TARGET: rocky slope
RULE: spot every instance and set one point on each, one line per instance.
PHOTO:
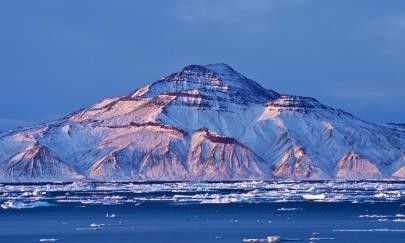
(204, 123)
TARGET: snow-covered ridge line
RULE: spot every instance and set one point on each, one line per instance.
(204, 122)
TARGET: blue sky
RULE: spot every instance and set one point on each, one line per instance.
(59, 56)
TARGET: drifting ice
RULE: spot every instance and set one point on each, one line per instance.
(314, 196)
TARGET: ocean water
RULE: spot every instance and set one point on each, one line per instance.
(316, 211)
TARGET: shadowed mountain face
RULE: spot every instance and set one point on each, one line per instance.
(204, 123)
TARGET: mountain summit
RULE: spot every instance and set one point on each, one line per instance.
(204, 122)
(215, 82)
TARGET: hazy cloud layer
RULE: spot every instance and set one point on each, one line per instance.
(6, 123)
(223, 12)
(368, 94)
(60, 56)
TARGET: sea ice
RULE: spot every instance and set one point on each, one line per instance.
(110, 215)
(89, 193)
(21, 205)
(320, 238)
(369, 230)
(313, 196)
(287, 209)
(273, 238)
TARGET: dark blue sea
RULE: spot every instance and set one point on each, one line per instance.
(250, 211)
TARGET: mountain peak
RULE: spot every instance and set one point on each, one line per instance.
(219, 66)
(214, 67)
(215, 81)
(220, 72)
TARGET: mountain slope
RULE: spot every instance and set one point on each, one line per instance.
(212, 156)
(206, 123)
(36, 163)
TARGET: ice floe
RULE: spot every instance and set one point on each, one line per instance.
(314, 196)
(135, 193)
(21, 204)
(271, 238)
(320, 238)
(369, 230)
(288, 209)
(268, 239)
(374, 216)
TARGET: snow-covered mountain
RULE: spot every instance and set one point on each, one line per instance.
(204, 123)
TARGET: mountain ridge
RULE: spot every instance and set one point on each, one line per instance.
(209, 122)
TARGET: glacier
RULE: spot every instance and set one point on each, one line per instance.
(208, 123)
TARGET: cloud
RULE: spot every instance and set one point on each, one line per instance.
(10, 123)
(228, 11)
(391, 27)
(388, 34)
(367, 94)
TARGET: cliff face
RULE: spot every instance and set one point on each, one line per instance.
(204, 123)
